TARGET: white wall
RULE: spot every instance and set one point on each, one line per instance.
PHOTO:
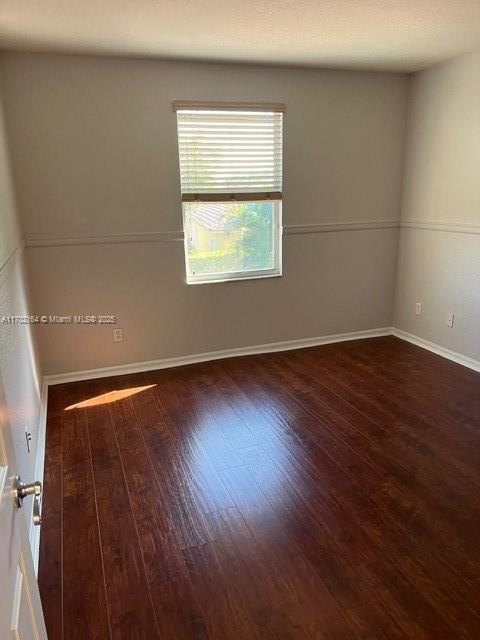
(439, 254)
(19, 373)
(95, 158)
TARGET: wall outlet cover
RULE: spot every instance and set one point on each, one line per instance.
(118, 335)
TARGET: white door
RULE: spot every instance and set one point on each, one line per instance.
(21, 616)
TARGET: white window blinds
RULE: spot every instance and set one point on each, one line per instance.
(230, 151)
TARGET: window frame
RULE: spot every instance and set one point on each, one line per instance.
(274, 197)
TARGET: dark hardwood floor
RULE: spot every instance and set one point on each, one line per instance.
(331, 492)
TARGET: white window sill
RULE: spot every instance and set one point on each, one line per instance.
(234, 277)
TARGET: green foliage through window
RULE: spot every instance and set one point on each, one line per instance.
(242, 234)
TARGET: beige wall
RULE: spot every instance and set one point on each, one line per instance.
(95, 154)
(19, 374)
(439, 254)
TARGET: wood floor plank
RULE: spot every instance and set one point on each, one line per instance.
(331, 512)
(84, 601)
(177, 609)
(50, 571)
(129, 602)
(328, 493)
(424, 439)
(170, 453)
(460, 604)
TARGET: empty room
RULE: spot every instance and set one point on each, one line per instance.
(240, 320)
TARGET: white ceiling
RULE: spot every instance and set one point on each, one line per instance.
(377, 34)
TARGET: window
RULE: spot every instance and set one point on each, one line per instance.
(231, 181)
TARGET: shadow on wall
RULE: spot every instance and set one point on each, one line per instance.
(19, 369)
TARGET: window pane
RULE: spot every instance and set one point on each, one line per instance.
(228, 237)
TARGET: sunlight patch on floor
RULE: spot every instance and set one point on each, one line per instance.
(110, 396)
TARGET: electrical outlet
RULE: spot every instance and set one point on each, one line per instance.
(118, 335)
(450, 319)
(418, 308)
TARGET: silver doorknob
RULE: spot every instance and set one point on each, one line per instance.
(23, 490)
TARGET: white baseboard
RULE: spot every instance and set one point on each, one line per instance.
(271, 347)
(436, 348)
(165, 363)
(34, 533)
